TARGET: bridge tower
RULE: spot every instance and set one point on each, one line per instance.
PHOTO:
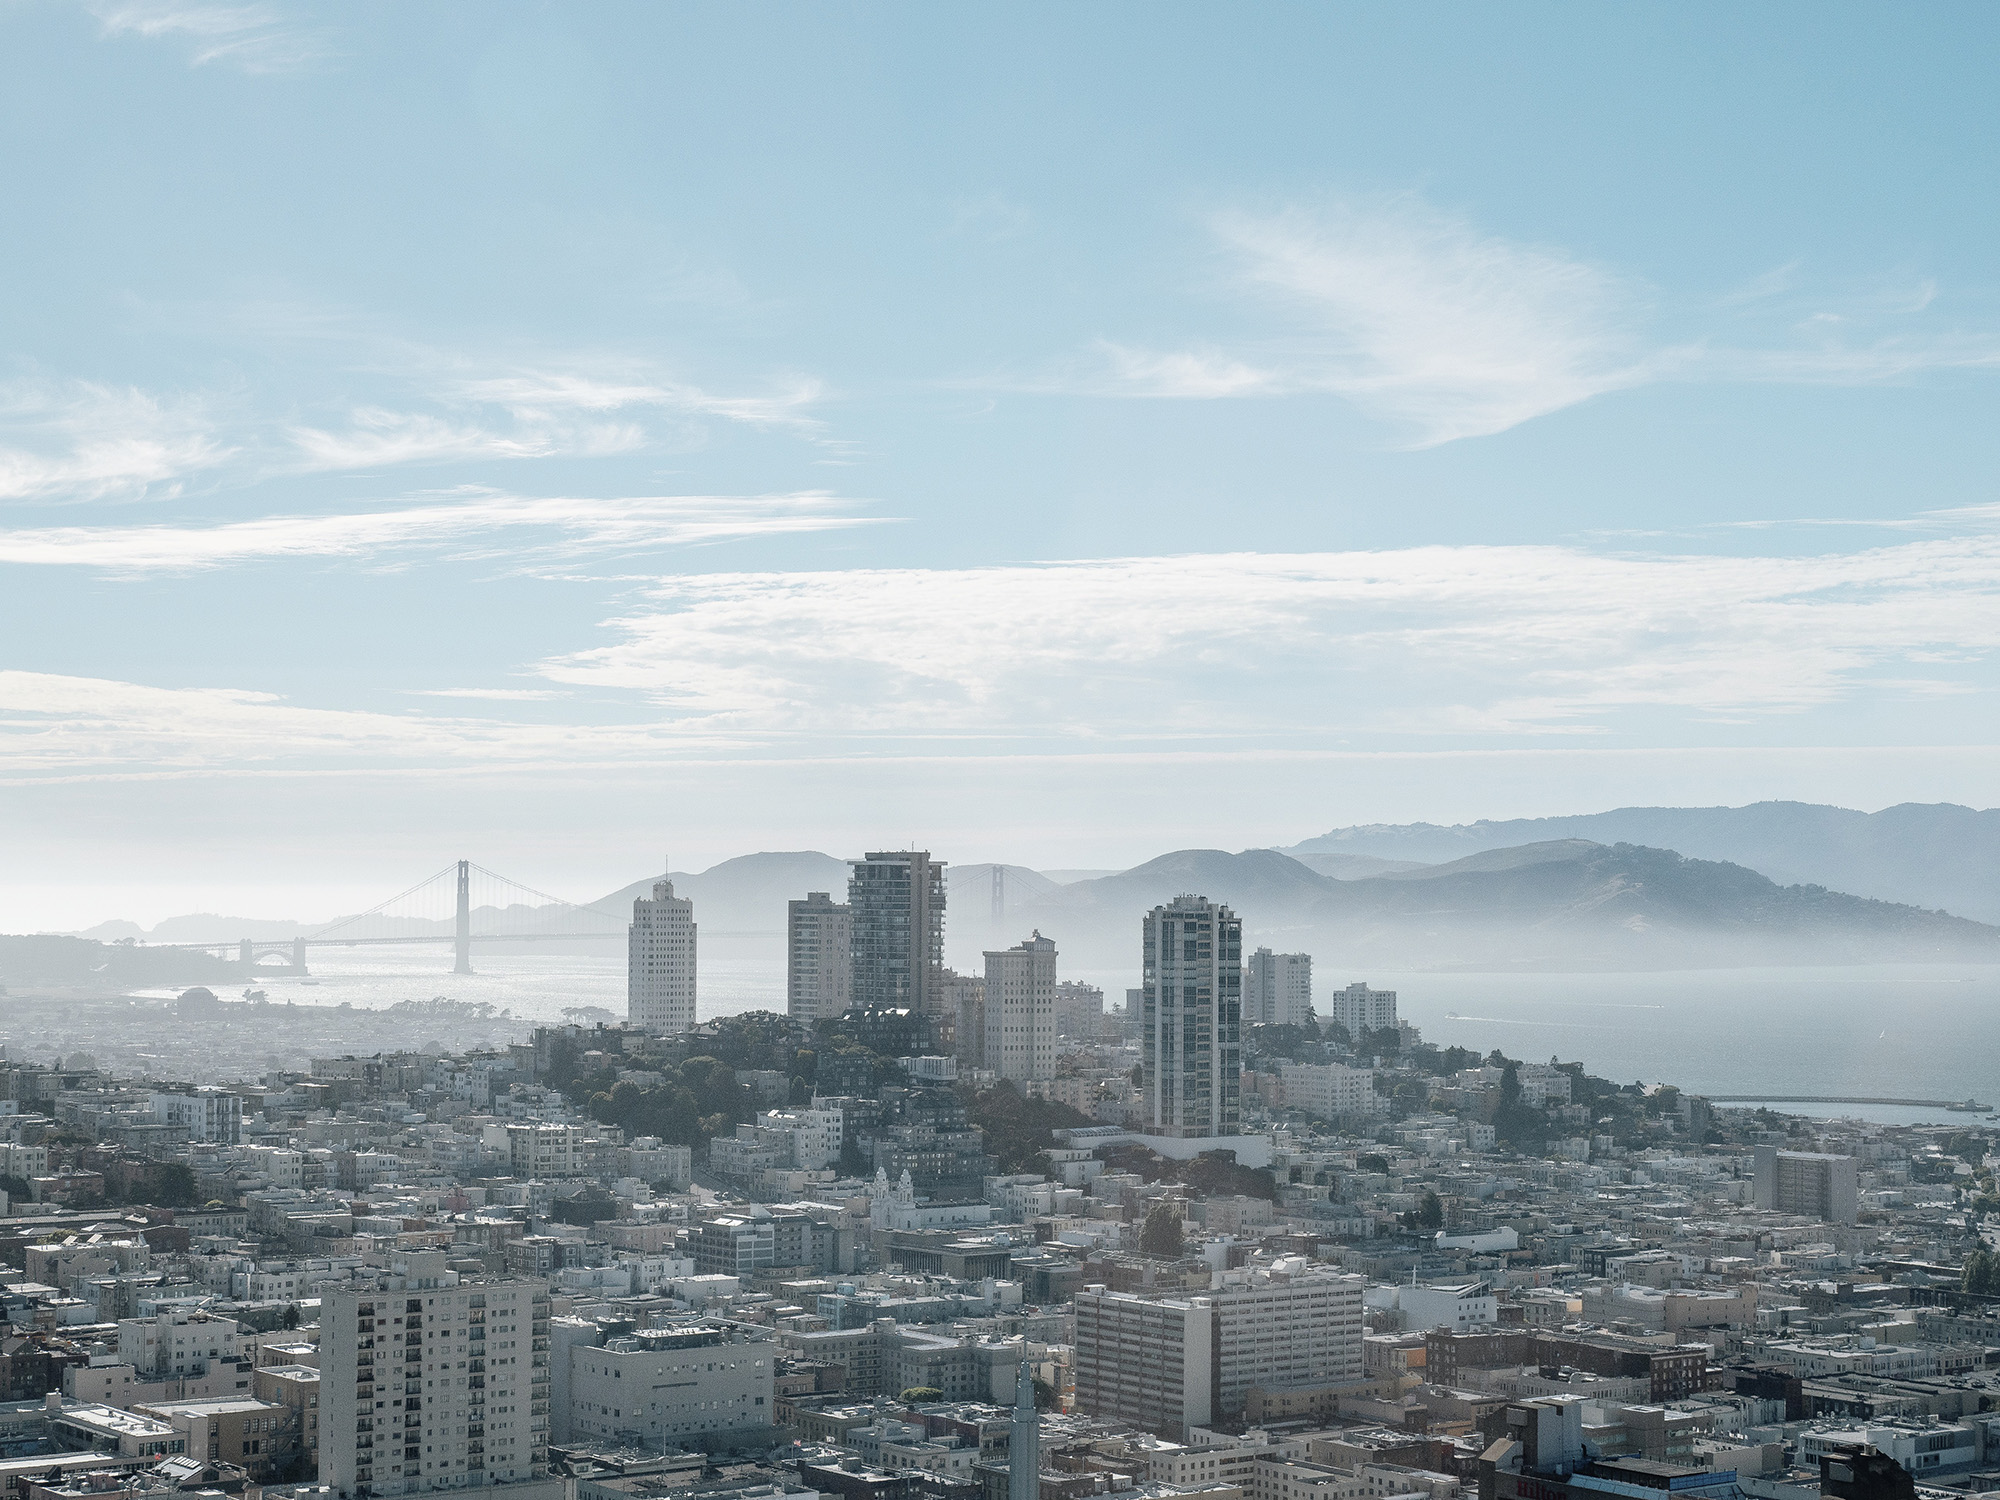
(464, 931)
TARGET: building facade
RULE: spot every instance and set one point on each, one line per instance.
(896, 901)
(399, 1417)
(1359, 1009)
(1079, 1009)
(659, 1388)
(660, 972)
(819, 957)
(1020, 1010)
(1806, 1182)
(1190, 1022)
(1278, 989)
(1170, 1364)
(205, 1114)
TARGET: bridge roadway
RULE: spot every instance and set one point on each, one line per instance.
(1825, 1099)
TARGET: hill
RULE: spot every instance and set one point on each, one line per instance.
(745, 894)
(1555, 904)
(1937, 855)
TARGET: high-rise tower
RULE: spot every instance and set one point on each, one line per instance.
(1024, 1441)
(660, 965)
(1020, 1010)
(819, 959)
(897, 901)
(1191, 1018)
(1277, 989)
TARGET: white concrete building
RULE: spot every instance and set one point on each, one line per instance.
(1277, 989)
(206, 1114)
(1329, 1090)
(660, 965)
(819, 957)
(176, 1343)
(1359, 1009)
(666, 1387)
(1170, 1364)
(1020, 1010)
(538, 1152)
(471, 1353)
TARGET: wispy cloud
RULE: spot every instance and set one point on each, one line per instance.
(1443, 647)
(1444, 332)
(254, 38)
(1455, 640)
(77, 440)
(479, 525)
(68, 441)
(544, 413)
(1410, 314)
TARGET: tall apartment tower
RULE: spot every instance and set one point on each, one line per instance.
(897, 901)
(1020, 1010)
(397, 1416)
(1805, 1182)
(1191, 1018)
(659, 972)
(964, 1004)
(819, 960)
(1277, 989)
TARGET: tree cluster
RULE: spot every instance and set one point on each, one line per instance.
(1982, 1274)
(1018, 1129)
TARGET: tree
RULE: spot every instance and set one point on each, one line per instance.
(1161, 1234)
(919, 1395)
(1427, 1217)
(1373, 1161)
(1982, 1274)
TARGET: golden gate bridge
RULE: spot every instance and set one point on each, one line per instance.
(462, 904)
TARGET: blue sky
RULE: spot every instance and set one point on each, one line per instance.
(551, 434)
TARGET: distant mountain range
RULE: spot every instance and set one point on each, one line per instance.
(1937, 855)
(1778, 882)
(1555, 904)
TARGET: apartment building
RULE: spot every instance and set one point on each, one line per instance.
(1810, 1183)
(1170, 1364)
(660, 962)
(428, 1382)
(212, 1115)
(1359, 1009)
(819, 957)
(897, 899)
(1191, 1016)
(1020, 1010)
(1277, 989)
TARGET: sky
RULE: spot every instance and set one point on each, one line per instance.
(569, 437)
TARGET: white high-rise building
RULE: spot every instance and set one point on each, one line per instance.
(1020, 1010)
(1359, 1009)
(1190, 1027)
(819, 961)
(1277, 989)
(431, 1383)
(659, 976)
